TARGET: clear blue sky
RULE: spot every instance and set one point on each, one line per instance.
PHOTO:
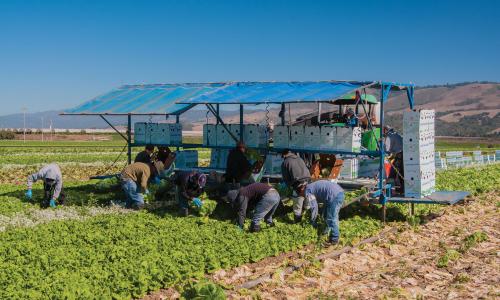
(57, 54)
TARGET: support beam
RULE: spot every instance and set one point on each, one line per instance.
(218, 111)
(283, 114)
(114, 128)
(319, 113)
(129, 139)
(241, 122)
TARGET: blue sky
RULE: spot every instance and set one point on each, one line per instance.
(57, 54)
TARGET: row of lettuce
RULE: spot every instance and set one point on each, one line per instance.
(127, 255)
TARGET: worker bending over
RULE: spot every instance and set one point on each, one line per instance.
(52, 185)
(238, 168)
(189, 186)
(294, 173)
(393, 144)
(145, 155)
(134, 181)
(264, 197)
(332, 197)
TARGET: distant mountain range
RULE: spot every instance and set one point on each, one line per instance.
(464, 109)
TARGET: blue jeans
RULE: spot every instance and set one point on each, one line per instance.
(266, 207)
(135, 199)
(331, 213)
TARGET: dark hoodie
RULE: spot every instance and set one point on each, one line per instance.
(294, 170)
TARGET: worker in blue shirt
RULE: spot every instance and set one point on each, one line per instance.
(332, 197)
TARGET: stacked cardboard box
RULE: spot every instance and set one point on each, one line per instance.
(349, 169)
(418, 152)
(158, 133)
(186, 159)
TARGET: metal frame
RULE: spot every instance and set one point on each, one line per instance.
(382, 192)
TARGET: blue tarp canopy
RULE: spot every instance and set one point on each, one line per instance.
(174, 99)
(277, 92)
(145, 99)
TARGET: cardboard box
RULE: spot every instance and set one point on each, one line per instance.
(255, 135)
(186, 159)
(328, 138)
(141, 134)
(281, 137)
(222, 136)
(312, 137)
(209, 135)
(272, 164)
(296, 137)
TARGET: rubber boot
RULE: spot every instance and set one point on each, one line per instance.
(297, 219)
(254, 227)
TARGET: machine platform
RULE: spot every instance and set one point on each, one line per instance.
(441, 197)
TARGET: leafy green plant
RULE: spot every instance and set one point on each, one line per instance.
(472, 240)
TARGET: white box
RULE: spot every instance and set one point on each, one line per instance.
(152, 132)
(235, 130)
(328, 138)
(175, 134)
(281, 136)
(272, 164)
(296, 137)
(349, 169)
(209, 135)
(141, 134)
(348, 139)
(255, 135)
(218, 158)
(312, 137)
(186, 159)
(222, 135)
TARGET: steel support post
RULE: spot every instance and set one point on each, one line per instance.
(241, 122)
(319, 113)
(129, 139)
(283, 111)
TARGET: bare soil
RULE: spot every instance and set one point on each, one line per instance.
(405, 264)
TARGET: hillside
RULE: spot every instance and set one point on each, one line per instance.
(465, 109)
(471, 109)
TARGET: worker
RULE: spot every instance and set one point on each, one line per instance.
(351, 120)
(393, 144)
(332, 197)
(265, 198)
(134, 181)
(294, 173)
(145, 155)
(238, 168)
(52, 185)
(189, 186)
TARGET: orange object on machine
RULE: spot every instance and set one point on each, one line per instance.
(387, 166)
(326, 161)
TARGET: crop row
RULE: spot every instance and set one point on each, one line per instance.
(125, 256)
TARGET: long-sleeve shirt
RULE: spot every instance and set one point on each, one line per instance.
(393, 142)
(320, 191)
(138, 172)
(238, 166)
(50, 171)
(188, 188)
(251, 193)
(294, 170)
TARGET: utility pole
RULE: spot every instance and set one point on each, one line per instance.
(24, 123)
